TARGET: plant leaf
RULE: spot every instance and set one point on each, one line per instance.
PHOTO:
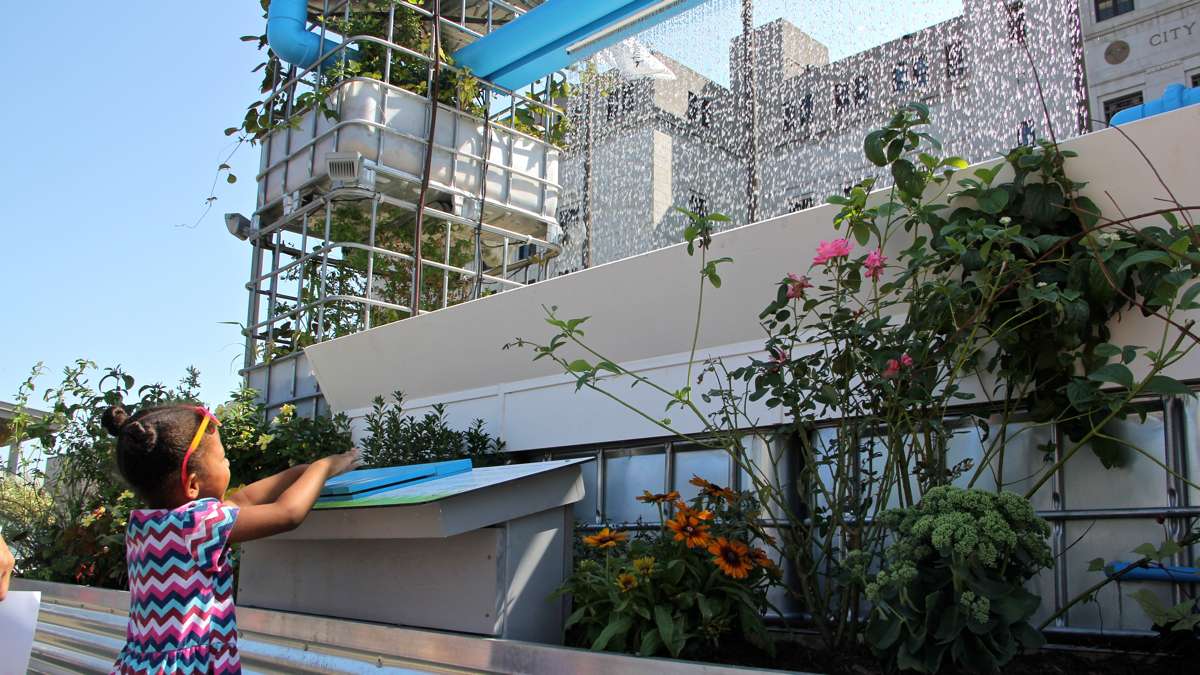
(1161, 384)
(1115, 373)
(615, 627)
(907, 179)
(666, 629)
(1144, 257)
(873, 147)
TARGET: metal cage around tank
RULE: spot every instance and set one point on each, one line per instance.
(377, 202)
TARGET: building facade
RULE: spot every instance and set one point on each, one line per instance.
(642, 147)
(1134, 49)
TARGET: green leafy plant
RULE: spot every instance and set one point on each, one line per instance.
(81, 537)
(26, 507)
(951, 591)
(396, 438)
(1181, 617)
(684, 589)
(257, 447)
(368, 59)
(1003, 279)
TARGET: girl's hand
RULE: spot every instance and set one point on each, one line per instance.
(290, 509)
(346, 461)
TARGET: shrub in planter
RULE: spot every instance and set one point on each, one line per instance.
(396, 438)
(952, 588)
(697, 580)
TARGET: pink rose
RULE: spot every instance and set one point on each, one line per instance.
(906, 360)
(874, 264)
(829, 250)
(780, 357)
(796, 286)
(892, 369)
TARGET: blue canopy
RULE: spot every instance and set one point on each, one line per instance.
(535, 44)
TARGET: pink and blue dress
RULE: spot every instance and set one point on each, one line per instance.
(181, 612)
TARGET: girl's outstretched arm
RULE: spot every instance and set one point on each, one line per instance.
(268, 489)
(288, 511)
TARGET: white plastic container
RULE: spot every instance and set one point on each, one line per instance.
(389, 126)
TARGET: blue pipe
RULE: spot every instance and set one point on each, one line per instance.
(535, 44)
(1174, 96)
(288, 35)
(531, 31)
(1157, 573)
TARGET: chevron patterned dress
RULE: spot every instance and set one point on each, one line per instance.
(181, 614)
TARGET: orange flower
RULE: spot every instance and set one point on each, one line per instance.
(661, 498)
(689, 529)
(605, 538)
(732, 556)
(626, 582)
(713, 490)
(761, 558)
(681, 508)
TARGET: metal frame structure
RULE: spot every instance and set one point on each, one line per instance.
(295, 235)
(1181, 440)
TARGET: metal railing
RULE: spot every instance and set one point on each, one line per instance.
(81, 630)
(1177, 511)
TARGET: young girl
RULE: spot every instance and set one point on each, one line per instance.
(181, 585)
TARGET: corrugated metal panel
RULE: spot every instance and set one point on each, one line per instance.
(81, 629)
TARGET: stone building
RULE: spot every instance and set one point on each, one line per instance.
(1135, 48)
(641, 147)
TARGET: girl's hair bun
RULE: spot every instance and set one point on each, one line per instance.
(143, 436)
(114, 419)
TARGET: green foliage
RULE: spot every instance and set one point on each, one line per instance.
(664, 592)
(81, 537)
(952, 590)
(368, 59)
(397, 439)
(25, 508)
(1007, 275)
(1182, 617)
(258, 448)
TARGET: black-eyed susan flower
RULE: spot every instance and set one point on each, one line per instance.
(626, 582)
(689, 529)
(732, 557)
(605, 538)
(644, 565)
(712, 489)
(659, 498)
(761, 558)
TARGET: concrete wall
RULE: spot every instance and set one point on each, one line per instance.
(643, 308)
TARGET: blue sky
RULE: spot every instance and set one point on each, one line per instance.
(115, 115)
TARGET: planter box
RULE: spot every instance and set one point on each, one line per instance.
(479, 552)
